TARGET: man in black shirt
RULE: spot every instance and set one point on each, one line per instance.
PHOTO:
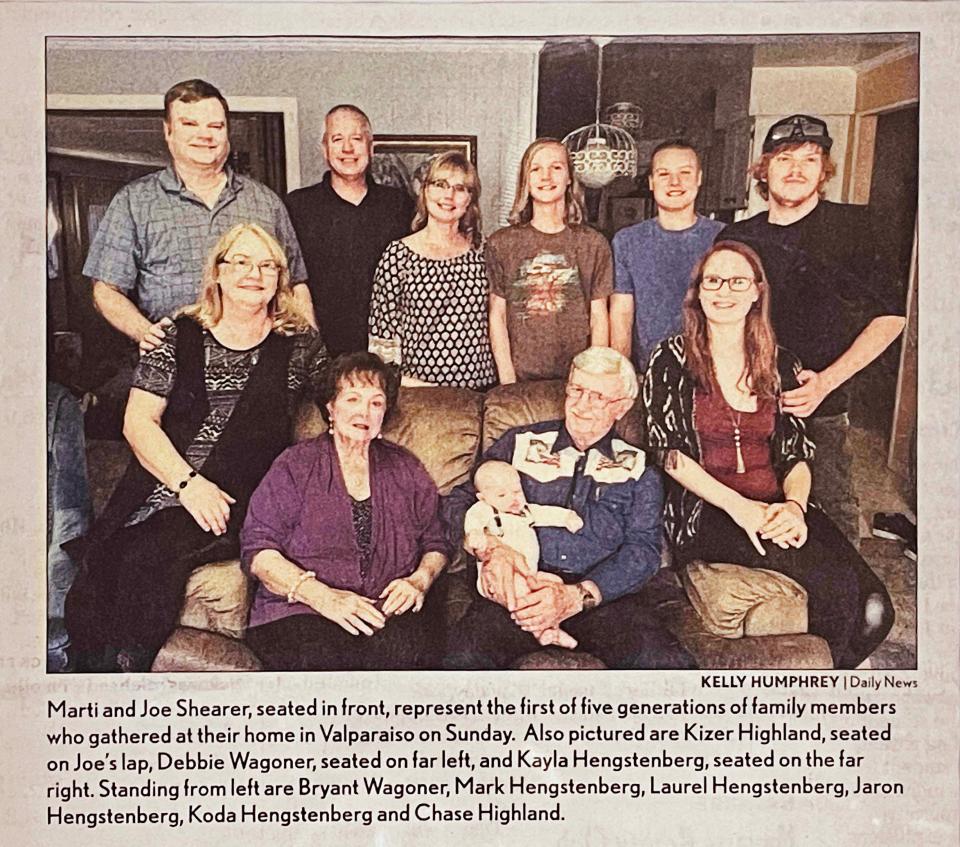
(343, 224)
(832, 303)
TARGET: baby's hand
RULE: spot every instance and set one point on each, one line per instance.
(556, 637)
(574, 522)
(476, 540)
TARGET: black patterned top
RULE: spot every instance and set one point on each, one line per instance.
(436, 309)
(669, 423)
(363, 529)
(225, 375)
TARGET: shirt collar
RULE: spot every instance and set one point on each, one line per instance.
(170, 180)
(327, 183)
(604, 445)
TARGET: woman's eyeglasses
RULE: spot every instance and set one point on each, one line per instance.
(443, 185)
(734, 283)
(244, 265)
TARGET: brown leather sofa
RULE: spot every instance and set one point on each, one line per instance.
(447, 429)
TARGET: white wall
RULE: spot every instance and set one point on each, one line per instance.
(487, 89)
(828, 93)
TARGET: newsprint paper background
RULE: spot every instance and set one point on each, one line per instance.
(921, 753)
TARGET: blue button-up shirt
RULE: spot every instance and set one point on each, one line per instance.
(155, 235)
(621, 506)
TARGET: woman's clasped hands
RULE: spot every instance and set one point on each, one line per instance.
(784, 524)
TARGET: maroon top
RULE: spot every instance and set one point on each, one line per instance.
(714, 421)
(303, 510)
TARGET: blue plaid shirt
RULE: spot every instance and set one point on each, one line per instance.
(155, 235)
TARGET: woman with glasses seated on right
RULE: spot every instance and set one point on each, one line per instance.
(739, 467)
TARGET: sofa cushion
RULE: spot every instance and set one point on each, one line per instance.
(520, 404)
(733, 601)
(558, 659)
(217, 598)
(440, 426)
(799, 652)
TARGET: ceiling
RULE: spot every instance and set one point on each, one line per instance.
(819, 50)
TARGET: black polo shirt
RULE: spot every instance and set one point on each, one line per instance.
(341, 245)
(827, 282)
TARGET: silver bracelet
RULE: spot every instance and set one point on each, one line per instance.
(292, 593)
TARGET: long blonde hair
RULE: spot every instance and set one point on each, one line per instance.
(760, 374)
(287, 317)
(573, 206)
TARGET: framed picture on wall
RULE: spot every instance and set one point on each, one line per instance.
(401, 160)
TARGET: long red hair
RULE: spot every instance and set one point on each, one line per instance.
(760, 373)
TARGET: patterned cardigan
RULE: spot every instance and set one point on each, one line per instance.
(669, 424)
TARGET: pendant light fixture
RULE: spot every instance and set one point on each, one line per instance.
(601, 152)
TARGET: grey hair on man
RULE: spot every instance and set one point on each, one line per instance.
(605, 360)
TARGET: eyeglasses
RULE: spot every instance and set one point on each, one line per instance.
(798, 128)
(245, 266)
(443, 185)
(593, 398)
(734, 283)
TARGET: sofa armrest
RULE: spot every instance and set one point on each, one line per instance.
(195, 650)
(217, 598)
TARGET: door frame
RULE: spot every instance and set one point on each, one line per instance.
(285, 106)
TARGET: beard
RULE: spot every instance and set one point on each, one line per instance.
(795, 200)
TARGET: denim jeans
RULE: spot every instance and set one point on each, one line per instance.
(68, 510)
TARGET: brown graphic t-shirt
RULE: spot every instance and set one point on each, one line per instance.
(548, 281)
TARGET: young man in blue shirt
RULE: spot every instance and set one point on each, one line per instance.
(654, 258)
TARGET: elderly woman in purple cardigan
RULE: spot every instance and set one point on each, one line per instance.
(344, 537)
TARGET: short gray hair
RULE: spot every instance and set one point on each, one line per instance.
(356, 111)
(605, 360)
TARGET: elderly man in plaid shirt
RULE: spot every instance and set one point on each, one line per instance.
(146, 259)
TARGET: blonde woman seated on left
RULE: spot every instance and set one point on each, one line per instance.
(209, 411)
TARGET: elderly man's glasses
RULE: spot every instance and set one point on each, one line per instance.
(442, 185)
(711, 282)
(243, 265)
(576, 393)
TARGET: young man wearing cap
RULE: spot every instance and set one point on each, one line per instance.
(654, 258)
(832, 302)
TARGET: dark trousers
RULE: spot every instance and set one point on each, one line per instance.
(626, 633)
(128, 593)
(833, 485)
(309, 642)
(847, 605)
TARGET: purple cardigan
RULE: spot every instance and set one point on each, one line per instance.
(302, 509)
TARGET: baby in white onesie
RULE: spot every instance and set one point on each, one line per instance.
(503, 510)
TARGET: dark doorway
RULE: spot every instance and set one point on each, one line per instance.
(893, 188)
(893, 207)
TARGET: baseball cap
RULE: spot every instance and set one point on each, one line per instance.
(798, 129)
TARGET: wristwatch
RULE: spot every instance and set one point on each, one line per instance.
(587, 598)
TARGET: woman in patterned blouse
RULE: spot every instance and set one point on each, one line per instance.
(739, 466)
(209, 410)
(428, 312)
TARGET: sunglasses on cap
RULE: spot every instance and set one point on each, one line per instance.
(798, 129)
